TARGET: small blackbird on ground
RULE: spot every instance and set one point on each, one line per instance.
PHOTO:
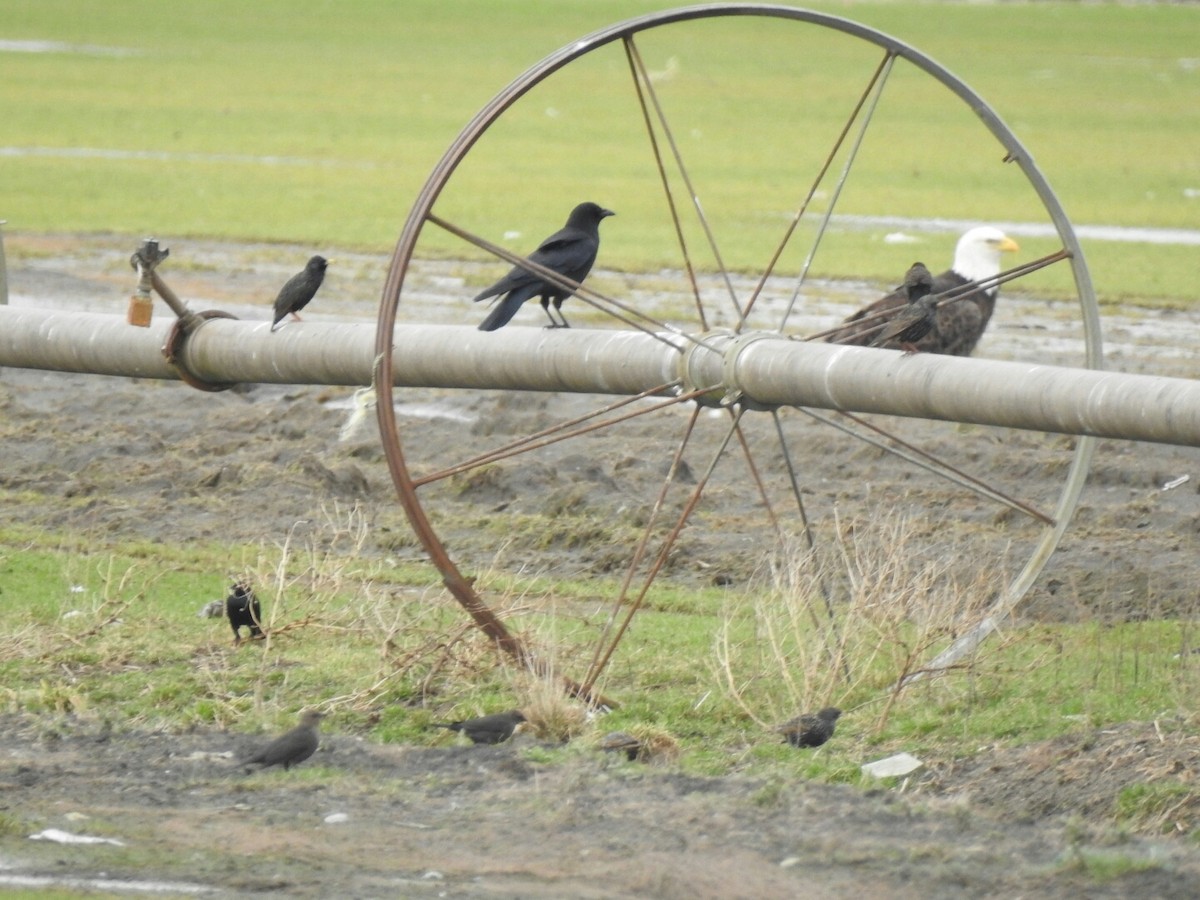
(915, 320)
(244, 611)
(570, 252)
(294, 747)
(622, 742)
(810, 730)
(494, 729)
(299, 290)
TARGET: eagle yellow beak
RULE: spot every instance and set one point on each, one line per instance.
(1008, 245)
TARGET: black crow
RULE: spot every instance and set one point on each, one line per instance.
(810, 730)
(570, 252)
(915, 320)
(299, 290)
(958, 325)
(494, 729)
(294, 747)
(244, 610)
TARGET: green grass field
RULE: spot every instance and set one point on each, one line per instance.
(112, 634)
(319, 123)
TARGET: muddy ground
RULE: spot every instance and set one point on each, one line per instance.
(118, 457)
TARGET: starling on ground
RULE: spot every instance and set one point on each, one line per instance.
(299, 290)
(621, 742)
(570, 252)
(915, 320)
(294, 747)
(962, 317)
(810, 730)
(244, 610)
(494, 729)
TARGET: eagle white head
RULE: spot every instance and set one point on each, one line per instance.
(977, 255)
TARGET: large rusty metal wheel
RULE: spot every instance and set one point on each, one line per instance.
(670, 96)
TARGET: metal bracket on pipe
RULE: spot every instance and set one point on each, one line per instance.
(696, 356)
(697, 368)
(729, 365)
(172, 349)
(145, 260)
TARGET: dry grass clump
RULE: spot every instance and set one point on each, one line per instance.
(641, 743)
(550, 713)
(869, 616)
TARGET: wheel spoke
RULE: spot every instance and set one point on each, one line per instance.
(927, 461)
(559, 432)
(868, 99)
(639, 552)
(604, 654)
(645, 89)
(641, 77)
(826, 596)
(758, 482)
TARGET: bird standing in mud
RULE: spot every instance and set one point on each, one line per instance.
(915, 320)
(293, 747)
(962, 317)
(494, 729)
(299, 290)
(809, 730)
(570, 252)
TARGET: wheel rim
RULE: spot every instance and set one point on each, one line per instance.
(740, 306)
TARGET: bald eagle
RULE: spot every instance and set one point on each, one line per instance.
(959, 325)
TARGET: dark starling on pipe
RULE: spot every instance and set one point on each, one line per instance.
(299, 290)
(959, 324)
(915, 320)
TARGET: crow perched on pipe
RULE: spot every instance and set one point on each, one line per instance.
(299, 290)
(570, 252)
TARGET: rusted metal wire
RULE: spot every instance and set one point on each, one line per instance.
(645, 89)
(565, 430)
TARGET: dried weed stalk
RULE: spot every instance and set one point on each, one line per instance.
(896, 598)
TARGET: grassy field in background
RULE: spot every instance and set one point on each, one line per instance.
(318, 123)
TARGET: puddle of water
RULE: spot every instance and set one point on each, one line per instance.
(113, 885)
(1117, 233)
(63, 47)
(426, 411)
(164, 156)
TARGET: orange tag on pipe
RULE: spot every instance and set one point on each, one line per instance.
(141, 310)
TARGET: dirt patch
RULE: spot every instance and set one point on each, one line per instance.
(130, 458)
(1084, 775)
(366, 820)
